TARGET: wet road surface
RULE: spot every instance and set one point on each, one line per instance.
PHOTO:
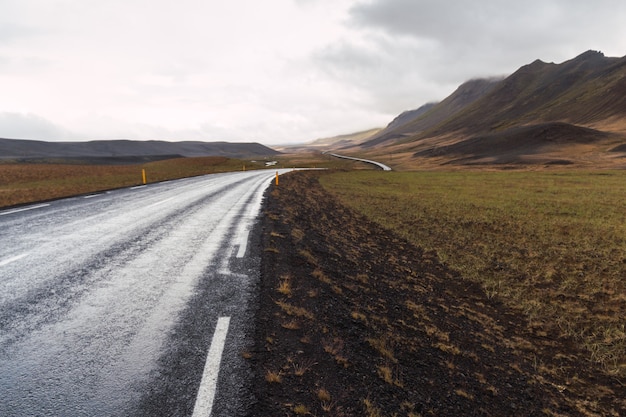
(109, 303)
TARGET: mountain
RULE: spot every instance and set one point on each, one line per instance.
(589, 88)
(408, 116)
(431, 114)
(127, 150)
(544, 113)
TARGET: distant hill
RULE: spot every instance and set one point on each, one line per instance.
(544, 113)
(333, 143)
(127, 150)
(429, 115)
(342, 140)
(406, 117)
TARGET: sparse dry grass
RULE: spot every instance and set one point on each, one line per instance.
(29, 182)
(383, 348)
(292, 325)
(323, 395)
(335, 347)
(550, 244)
(308, 256)
(295, 311)
(284, 287)
(273, 377)
(319, 274)
(464, 394)
(302, 367)
(386, 373)
(371, 409)
(405, 333)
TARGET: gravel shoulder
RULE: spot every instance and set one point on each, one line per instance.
(355, 321)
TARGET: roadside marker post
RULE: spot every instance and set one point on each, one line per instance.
(143, 176)
(276, 177)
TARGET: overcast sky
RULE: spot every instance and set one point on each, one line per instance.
(271, 71)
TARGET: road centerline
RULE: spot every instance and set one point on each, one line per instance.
(159, 202)
(13, 259)
(208, 385)
(4, 213)
(243, 244)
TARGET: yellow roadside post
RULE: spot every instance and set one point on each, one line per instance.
(143, 176)
(276, 177)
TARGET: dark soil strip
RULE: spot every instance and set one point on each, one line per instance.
(354, 321)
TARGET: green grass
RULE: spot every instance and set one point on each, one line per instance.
(551, 245)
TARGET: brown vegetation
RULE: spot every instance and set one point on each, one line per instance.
(391, 331)
(22, 183)
(548, 244)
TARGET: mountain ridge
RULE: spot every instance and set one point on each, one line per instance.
(123, 148)
(581, 101)
(464, 95)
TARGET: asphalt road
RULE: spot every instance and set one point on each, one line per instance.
(368, 161)
(109, 303)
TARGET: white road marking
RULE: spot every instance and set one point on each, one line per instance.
(13, 259)
(137, 187)
(243, 244)
(160, 202)
(92, 196)
(4, 213)
(206, 392)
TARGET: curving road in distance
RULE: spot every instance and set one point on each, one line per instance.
(367, 161)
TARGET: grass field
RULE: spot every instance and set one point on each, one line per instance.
(23, 182)
(550, 245)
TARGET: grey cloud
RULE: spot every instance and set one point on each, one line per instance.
(495, 24)
(434, 19)
(344, 59)
(390, 72)
(414, 51)
(459, 19)
(30, 126)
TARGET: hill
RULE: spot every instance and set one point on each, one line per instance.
(588, 89)
(432, 114)
(544, 113)
(127, 150)
(507, 146)
(334, 142)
